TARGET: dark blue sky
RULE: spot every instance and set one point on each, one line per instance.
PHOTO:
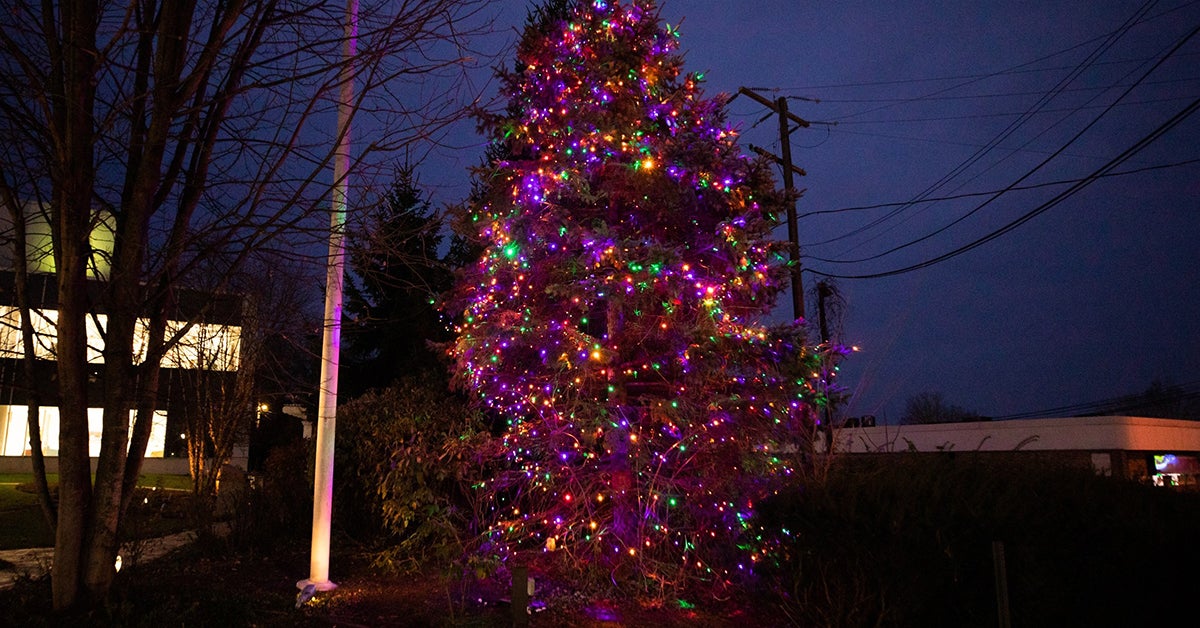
(1092, 298)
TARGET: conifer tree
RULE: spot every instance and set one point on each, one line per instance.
(616, 316)
(390, 295)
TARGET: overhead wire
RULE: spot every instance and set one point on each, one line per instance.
(1022, 68)
(1117, 405)
(1175, 48)
(1036, 211)
(1092, 56)
(1033, 186)
(959, 77)
(991, 95)
(1006, 114)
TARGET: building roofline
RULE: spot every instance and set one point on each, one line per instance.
(1091, 433)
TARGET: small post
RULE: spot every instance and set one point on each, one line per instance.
(520, 596)
(1001, 574)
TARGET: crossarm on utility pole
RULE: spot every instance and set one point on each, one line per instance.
(766, 102)
(777, 159)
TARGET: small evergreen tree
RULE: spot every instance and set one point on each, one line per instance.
(615, 317)
(390, 299)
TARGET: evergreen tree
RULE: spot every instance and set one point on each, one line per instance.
(615, 316)
(390, 298)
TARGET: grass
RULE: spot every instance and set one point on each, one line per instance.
(24, 525)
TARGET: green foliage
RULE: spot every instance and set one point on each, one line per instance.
(906, 540)
(408, 458)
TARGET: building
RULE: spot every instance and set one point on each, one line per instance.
(211, 347)
(1162, 451)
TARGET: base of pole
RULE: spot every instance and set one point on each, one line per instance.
(317, 586)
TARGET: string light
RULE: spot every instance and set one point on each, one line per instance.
(615, 315)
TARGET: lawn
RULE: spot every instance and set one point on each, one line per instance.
(24, 525)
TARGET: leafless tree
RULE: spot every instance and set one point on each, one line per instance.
(194, 129)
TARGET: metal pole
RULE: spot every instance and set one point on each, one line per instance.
(331, 343)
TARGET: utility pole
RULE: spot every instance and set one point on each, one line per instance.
(318, 579)
(785, 119)
(824, 291)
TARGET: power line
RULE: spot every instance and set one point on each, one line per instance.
(996, 95)
(1022, 68)
(1033, 170)
(960, 77)
(1183, 392)
(1093, 56)
(1004, 114)
(1033, 186)
(1082, 183)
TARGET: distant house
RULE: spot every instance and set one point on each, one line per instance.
(1161, 451)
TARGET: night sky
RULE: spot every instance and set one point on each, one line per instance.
(1087, 298)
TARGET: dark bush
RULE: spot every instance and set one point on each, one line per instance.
(907, 540)
(275, 506)
(408, 458)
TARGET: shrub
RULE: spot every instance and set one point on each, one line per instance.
(408, 457)
(906, 540)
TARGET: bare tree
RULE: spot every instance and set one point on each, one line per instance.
(193, 129)
(932, 407)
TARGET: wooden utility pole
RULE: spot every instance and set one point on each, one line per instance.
(785, 119)
(824, 291)
(789, 187)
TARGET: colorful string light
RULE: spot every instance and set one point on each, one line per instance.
(615, 317)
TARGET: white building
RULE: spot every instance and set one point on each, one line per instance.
(1165, 451)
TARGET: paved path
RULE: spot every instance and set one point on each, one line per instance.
(35, 562)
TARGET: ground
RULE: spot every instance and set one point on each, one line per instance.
(248, 578)
(195, 587)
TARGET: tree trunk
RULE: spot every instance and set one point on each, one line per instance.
(74, 99)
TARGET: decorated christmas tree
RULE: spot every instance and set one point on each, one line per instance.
(616, 317)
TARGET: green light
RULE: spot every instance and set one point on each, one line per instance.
(511, 250)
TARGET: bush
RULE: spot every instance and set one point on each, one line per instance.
(408, 457)
(275, 506)
(906, 540)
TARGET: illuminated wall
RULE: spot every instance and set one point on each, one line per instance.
(14, 431)
(205, 346)
(201, 346)
(39, 249)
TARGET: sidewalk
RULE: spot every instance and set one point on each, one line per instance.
(35, 562)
